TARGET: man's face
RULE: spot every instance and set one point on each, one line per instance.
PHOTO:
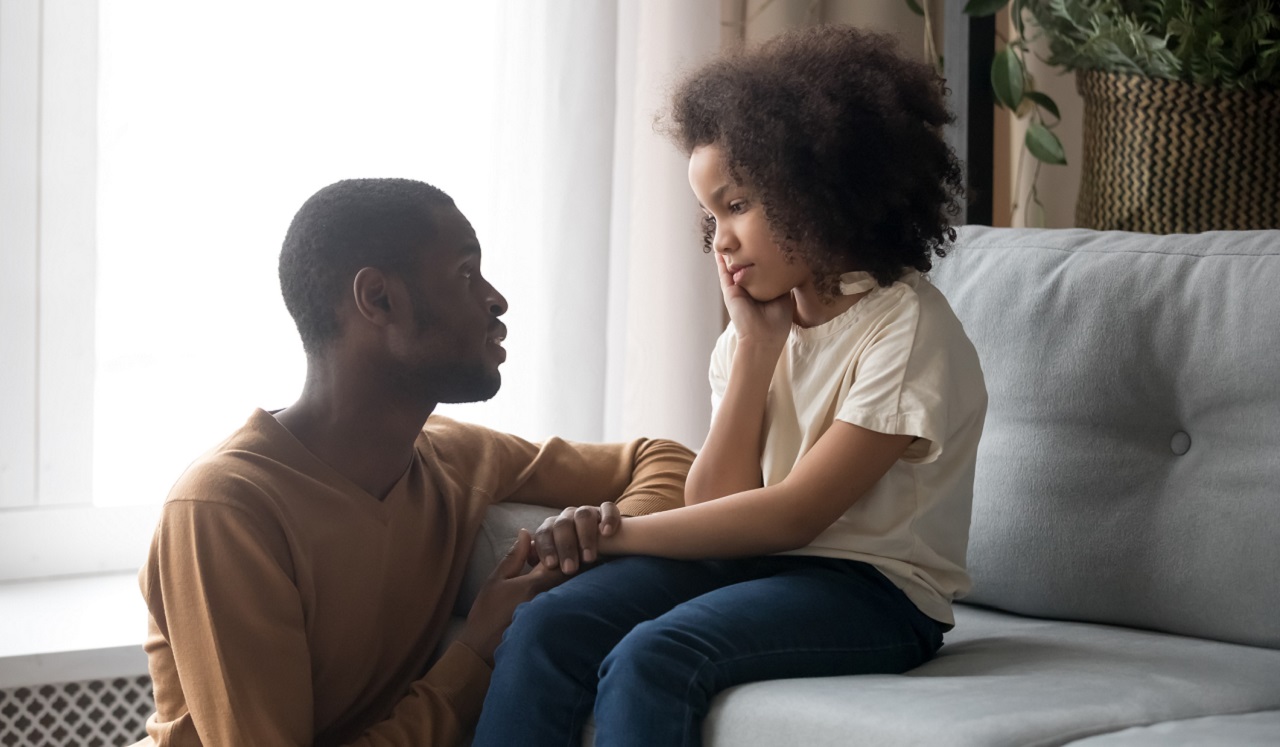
(456, 346)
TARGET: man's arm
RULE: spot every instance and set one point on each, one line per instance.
(643, 476)
(238, 667)
(596, 484)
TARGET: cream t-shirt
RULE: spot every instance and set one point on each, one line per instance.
(897, 362)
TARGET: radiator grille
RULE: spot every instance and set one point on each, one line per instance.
(95, 713)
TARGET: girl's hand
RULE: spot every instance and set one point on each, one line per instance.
(767, 323)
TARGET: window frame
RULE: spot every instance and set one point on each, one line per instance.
(48, 221)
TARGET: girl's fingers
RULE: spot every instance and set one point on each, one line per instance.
(726, 280)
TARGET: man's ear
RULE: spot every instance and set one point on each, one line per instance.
(376, 295)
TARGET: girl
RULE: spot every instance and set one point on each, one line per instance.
(827, 514)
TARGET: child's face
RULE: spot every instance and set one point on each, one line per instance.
(742, 232)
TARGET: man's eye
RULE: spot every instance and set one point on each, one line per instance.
(467, 272)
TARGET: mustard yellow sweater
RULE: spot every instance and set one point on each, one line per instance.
(289, 607)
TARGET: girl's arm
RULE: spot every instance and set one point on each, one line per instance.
(729, 461)
(840, 468)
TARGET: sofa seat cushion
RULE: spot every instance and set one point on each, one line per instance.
(1238, 730)
(1006, 680)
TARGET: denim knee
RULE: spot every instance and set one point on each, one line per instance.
(655, 655)
(541, 624)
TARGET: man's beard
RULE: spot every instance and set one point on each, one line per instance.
(476, 385)
(457, 383)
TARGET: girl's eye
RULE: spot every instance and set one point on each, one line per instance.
(708, 219)
(738, 206)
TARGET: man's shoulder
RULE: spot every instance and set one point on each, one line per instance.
(239, 471)
(474, 455)
(458, 444)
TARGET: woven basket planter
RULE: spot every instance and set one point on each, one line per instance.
(1164, 156)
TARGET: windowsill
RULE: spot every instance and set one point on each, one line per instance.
(71, 629)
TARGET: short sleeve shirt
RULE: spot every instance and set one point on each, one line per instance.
(897, 362)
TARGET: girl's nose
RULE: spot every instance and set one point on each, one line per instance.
(725, 242)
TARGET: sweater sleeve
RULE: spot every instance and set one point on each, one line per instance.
(643, 476)
(229, 644)
(440, 707)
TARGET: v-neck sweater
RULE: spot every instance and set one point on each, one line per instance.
(290, 607)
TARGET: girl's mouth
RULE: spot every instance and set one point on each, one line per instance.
(738, 273)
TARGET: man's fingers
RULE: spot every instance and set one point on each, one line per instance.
(610, 518)
(542, 578)
(513, 564)
(565, 532)
(545, 543)
(586, 521)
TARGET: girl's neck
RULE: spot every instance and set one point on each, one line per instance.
(812, 310)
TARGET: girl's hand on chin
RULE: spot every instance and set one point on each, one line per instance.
(767, 322)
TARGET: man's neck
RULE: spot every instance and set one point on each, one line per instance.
(356, 429)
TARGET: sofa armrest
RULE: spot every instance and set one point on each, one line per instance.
(494, 539)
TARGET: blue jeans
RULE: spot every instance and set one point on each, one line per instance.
(648, 642)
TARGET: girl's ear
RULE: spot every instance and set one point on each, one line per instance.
(375, 296)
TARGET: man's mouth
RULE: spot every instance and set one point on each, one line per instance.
(494, 340)
(498, 333)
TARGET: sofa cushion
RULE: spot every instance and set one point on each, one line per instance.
(497, 533)
(1238, 730)
(1006, 680)
(1129, 472)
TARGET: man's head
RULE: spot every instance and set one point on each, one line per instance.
(394, 263)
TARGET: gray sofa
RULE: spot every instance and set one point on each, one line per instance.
(1125, 543)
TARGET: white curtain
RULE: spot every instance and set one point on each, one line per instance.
(614, 307)
(534, 114)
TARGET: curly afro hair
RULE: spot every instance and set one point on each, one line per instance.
(842, 140)
(348, 225)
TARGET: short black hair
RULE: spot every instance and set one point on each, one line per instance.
(842, 138)
(348, 225)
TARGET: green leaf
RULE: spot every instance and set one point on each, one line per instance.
(982, 8)
(1007, 79)
(915, 7)
(1045, 145)
(1044, 102)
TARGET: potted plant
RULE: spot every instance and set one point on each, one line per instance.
(1181, 106)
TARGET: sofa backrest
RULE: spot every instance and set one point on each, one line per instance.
(1129, 472)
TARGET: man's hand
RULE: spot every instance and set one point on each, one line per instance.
(571, 540)
(506, 588)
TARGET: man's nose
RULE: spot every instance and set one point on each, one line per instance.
(497, 303)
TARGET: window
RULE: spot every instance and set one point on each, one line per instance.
(216, 122)
(153, 154)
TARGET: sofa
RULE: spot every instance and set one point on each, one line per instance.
(1125, 536)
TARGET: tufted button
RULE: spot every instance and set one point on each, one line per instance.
(1181, 443)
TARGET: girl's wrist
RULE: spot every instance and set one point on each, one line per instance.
(756, 352)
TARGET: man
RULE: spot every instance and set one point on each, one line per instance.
(303, 571)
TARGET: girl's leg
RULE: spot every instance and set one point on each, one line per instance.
(801, 617)
(544, 679)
